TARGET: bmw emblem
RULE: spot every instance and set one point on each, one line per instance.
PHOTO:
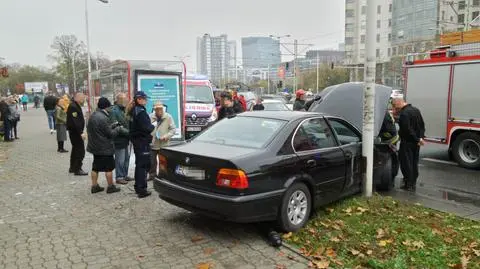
(187, 160)
(194, 117)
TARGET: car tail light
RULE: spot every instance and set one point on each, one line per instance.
(163, 162)
(232, 178)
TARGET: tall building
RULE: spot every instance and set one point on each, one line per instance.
(355, 30)
(259, 52)
(213, 57)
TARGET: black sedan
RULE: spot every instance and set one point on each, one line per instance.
(293, 162)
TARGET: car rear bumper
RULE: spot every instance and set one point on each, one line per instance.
(242, 209)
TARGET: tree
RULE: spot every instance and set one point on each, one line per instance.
(327, 77)
(67, 51)
(19, 74)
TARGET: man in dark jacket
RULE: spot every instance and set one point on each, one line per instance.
(100, 144)
(229, 106)
(75, 127)
(49, 104)
(121, 142)
(141, 129)
(412, 133)
(5, 115)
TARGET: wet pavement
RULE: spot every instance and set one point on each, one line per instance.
(443, 185)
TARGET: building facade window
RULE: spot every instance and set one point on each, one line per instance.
(461, 5)
(389, 52)
(362, 39)
(364, 10)
(461, 18)
(378, 38)
(389, 22)
(394, 51)
(476, 3)
(389, 37)
(379, 9)
(379, 23)
(378, 53)
(390, 8)
(349, 13)
(475, 14)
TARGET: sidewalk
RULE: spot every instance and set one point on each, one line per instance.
(49, 219)
(443, 201)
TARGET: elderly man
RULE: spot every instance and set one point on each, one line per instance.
(121, 142)
(412, 133)
(163, 132)
(75, 127)
(100, 144)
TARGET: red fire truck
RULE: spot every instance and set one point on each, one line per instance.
(445, 85)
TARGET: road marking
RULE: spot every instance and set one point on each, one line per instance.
(440, 161)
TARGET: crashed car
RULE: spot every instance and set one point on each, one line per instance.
(346, 101)
(268, 166)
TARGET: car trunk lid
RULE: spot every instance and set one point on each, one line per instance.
(187, 168)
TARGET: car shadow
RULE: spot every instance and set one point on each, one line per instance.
(220, 230)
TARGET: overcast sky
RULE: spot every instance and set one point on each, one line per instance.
(159, 30)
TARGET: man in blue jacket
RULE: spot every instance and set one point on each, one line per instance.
(141, 130)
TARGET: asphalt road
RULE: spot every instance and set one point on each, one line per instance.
(444, 179)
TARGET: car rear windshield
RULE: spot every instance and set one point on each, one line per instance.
(276, 106)
(251, 132)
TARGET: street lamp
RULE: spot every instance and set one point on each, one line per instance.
(88, 46)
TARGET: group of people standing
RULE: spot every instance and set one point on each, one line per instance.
(111, 129)
(10, 116)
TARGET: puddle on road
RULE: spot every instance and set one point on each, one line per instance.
(451, 195)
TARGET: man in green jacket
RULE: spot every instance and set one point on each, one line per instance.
(121, 142)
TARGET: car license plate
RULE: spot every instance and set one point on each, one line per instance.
(194, 129)
(190, 172)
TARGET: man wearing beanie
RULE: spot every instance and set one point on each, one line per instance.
(100, 143)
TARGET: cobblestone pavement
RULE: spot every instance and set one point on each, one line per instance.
(49, 219)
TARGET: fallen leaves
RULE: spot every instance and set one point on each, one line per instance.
(418, 244)
(330, 253)
(204, 265)
(197, 238)
(384, 243)
(354, 252)
(361, 209)
(287, 236)
(321, 264)
(335, 239)
(411, 217)
(208, 251)
(380, 233)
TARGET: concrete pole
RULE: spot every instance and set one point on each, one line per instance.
(295, 53)
(467, 15)
(318, 70)
(74, 74)
(89, 61)
(369, 97)
(268, 79)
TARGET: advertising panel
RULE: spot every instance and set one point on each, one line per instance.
(36, 87)
(165, 88)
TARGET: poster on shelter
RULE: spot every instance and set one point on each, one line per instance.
(166, 89)
(36, 87)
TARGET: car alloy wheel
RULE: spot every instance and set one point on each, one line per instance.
(295, 208)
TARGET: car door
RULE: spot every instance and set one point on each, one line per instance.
(349, 140)
(320, 157)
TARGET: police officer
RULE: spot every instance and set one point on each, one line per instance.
(75, 127)
(140, 134)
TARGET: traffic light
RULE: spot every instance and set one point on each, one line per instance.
(280, 84)
(287, 65)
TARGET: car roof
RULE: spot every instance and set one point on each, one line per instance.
(281, 115)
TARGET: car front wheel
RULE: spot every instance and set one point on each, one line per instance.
(295, 208)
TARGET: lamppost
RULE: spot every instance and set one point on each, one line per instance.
(88, 46)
